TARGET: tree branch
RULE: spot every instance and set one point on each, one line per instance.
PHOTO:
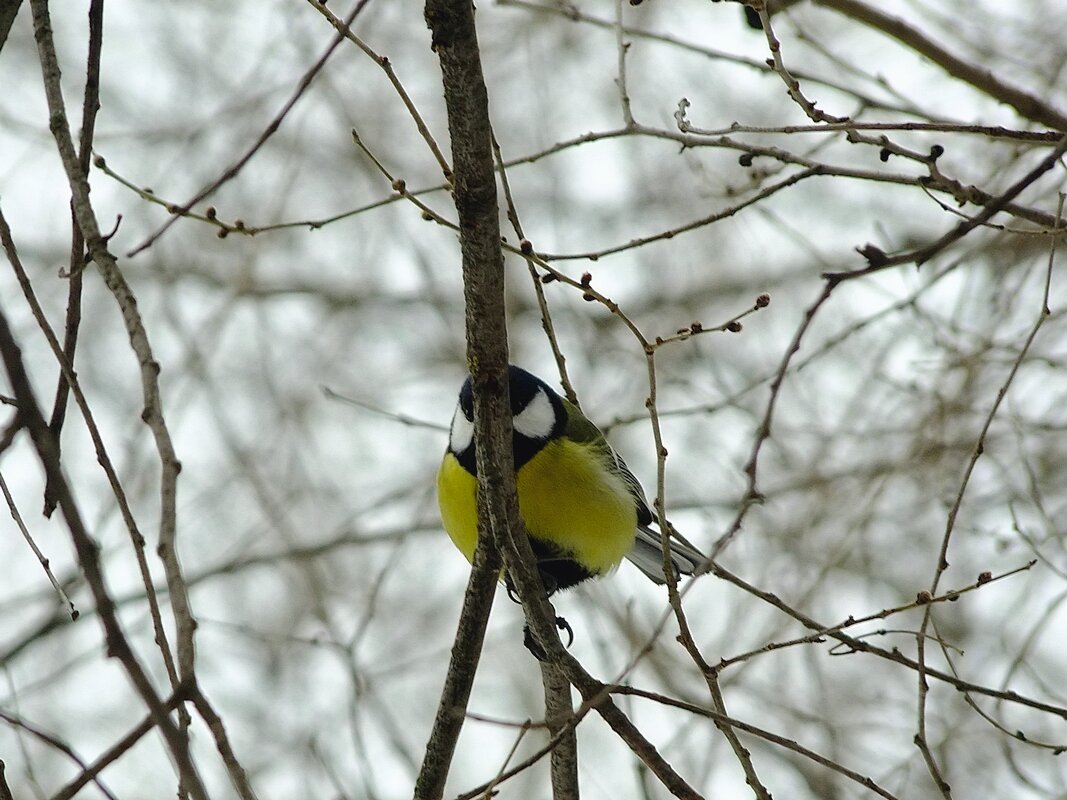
(983, 80)
(88, 551)
(454, 39)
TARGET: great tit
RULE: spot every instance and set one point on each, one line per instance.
(583, 508)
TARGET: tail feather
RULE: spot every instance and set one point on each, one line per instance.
(647, 555)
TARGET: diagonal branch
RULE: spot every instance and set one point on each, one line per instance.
(878, 261)
(1028, 105)
(135, 329)
(90, 106)
(88, 550)
(272, 127)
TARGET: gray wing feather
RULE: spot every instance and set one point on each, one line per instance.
(647, 552)
(647, 555)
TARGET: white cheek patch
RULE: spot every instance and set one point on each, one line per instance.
(537, 420)
(462, 432)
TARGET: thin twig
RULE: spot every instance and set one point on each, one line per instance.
(238, 776)
(152, 415)
(878, 261)
(621, 48)
(574, 14)
(403, 419)
(116, 751)
(763, 432)
(858, 645)
(526, 247)
(118, 645)
(1057, 748)
(702, 222)
(56, 744)
(950, 596)
(536, 757)
(272, 127)
(960, 192)
(984, 131)
(776, 62)
(490, 788)
(345, 29)
(724, 720)
(979, 76)
(950, 524)
(90, 106)
(41, 558)
(72, 383)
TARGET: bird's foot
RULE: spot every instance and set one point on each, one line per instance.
(535, 648)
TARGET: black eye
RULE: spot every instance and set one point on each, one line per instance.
(521, 395)
(466, 401)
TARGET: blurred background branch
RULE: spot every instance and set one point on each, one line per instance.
(669, 164)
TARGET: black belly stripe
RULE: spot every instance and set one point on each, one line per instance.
(558, 568)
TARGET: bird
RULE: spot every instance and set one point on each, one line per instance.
(582, 506)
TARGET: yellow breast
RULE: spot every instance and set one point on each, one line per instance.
(456, 497)
(566, 497)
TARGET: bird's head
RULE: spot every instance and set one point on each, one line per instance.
(537, 416)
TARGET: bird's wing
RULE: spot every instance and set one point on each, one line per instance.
(648, 545)
(647, 553)
(580, 429)
(644, 513)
